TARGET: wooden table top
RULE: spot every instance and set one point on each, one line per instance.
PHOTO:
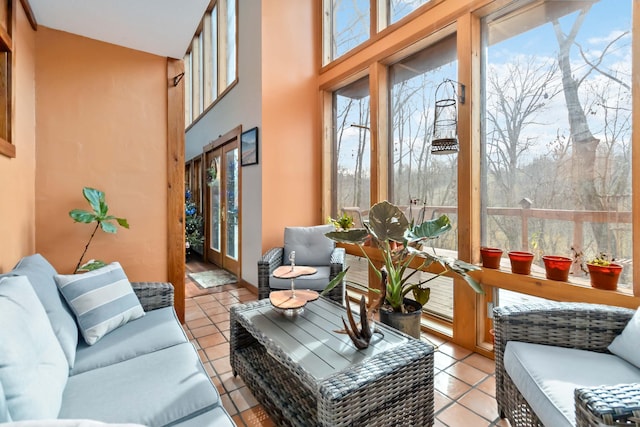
(312, 340)
(290, 300)
(288, 272)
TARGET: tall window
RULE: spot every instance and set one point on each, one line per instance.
(418, 177)
(398, 9)
(230, 43)
(352, 146)
(211, 65)
(423, 184)
(214, 53)
(6, 71)
(347, 24)
(557, 129)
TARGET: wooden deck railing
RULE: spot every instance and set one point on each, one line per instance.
(578, 218)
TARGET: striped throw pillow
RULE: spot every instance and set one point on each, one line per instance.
(102, 300)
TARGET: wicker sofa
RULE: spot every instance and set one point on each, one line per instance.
(143, 372)
(553, 367)
(312, 248)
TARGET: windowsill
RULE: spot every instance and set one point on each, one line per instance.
(539, 286)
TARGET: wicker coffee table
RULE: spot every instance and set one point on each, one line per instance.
(305, 374)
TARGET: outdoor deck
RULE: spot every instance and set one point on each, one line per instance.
(441, 300)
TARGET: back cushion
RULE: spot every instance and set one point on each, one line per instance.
(311, 245)
(102, 300)
(40, 273)
(4, 410)
(33, 368)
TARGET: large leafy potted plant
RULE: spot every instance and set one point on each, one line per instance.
(401, 245)
(99, 214)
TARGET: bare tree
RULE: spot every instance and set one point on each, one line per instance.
(584, 143)
(516, 97)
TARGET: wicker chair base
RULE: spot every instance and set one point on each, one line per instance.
(514, 406)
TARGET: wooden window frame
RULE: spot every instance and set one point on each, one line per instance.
(470, 325)
(208, 75)
(7, 100)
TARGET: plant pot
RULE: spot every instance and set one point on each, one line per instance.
(491, 257)
(520, 262)
(409, 323)
(557, 267)
(604, 276)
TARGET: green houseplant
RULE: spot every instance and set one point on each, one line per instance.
(100, 215)
(604, 272)
(401, 245)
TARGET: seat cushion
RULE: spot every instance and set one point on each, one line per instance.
(216, 417)
(67, 423)
(547, 377)
(102, 300)
(625, 345)
(158, 329)
(317, 281)
(33, 368)
(40, 274)
(310, 244)
(156, 389)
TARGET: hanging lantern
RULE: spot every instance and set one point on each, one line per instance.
(445, 120)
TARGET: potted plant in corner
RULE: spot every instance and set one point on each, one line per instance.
(99, 214)
(401, 244)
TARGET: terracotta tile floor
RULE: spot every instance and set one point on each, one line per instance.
(464, 381)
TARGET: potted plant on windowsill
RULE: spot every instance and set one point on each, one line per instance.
(401, 246)
(604, 272)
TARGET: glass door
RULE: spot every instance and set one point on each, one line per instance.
(222, 203)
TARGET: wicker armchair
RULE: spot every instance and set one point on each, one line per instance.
(570, 325)
(153, 295)
(333, 262)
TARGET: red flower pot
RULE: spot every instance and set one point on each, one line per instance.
(490, 257)
(520, 262)
(604, 276)
(557, 267)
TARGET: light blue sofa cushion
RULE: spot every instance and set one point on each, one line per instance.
(158, 329)
(67, 423)
(102, 300)
(627, 344)
(311, 245)
(33, 368)
(317, 281)
(40, 274)
(547, 377)
(216, 417)
(162, 388)
(4, 410)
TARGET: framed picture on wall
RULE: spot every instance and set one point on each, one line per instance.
(249, 147)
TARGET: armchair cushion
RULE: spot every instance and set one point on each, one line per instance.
(102, 300)
(311, 245)
(548, 375)
(625, 345)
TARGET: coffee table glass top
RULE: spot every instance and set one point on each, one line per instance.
(310, 339)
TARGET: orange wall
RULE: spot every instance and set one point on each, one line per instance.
(101, 122)
(17, 175)
(290, 136)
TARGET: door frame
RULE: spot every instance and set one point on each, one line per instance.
(222, 140)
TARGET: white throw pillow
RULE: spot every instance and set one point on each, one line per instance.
(102, 300)
(625, 345)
